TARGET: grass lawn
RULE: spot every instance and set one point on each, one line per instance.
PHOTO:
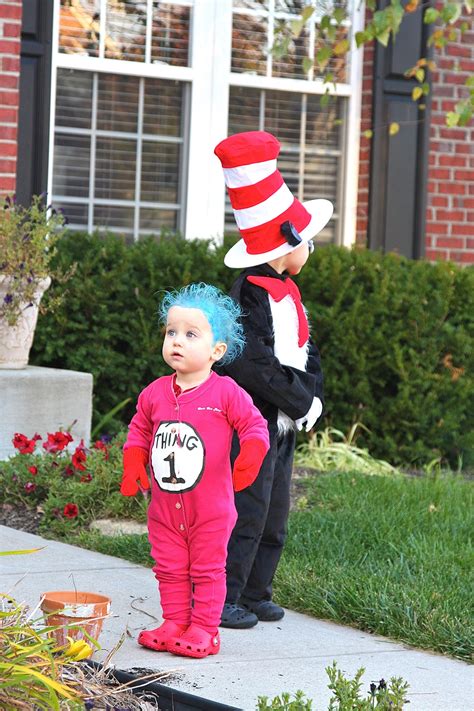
(389, 554)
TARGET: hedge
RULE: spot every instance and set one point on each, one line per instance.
(396, 336)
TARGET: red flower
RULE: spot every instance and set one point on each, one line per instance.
(102, 446)
(69, 471)
(70, 511)
(79, 457)
(57, 442)
(30, 487)
(86, 477)
(23, 444)
(33, 470)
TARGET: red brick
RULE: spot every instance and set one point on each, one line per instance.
(11, 30)
(9, 81)
(434, 255)
(464, 175)
(452, 189)
(467, 257)
(467, 230)
(436, 174)
(9, 98)
(451, 160)
(9, 47)
(452, 134)
(8, 132)
(8, 115)
(439, 201)
(470, 243)
(450, 242)
(465, 148)
(7, 166)
(468, 202)
(7, 183)
(439, 228)
(7, 149)
(10, 11)
(450, 215)
(457, 50)
(10, 64)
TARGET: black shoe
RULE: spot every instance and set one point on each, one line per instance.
(265, 610)
(237, 618)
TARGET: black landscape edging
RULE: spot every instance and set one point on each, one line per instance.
(170, 699)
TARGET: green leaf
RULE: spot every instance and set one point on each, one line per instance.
(451, 12)
(339, 15)
(325, 23)
(324, 101)
(384, 38)
(452, 119)
(361, 38)
(307, 12)
(323, 56)
(469, 81)
(296, 27)
(307, 64)
(417, 93)
(431, 15)
(341, 47)
(420, 75)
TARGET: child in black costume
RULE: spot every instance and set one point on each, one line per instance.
(280, 366)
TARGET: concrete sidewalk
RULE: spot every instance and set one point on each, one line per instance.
(267, 660)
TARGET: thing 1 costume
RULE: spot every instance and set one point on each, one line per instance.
(192, 511)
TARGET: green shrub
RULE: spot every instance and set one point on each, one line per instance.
(396, 336)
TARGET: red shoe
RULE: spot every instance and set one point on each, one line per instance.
(157, 639)
(195, 642)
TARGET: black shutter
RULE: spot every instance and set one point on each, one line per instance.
(399, 163)
(35, 93)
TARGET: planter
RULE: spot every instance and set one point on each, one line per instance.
(74, 612)
(169, 699)
(16, 341)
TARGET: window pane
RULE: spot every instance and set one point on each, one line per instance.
(75, 214)
(283, 116)
(125, 30)
(249, 44)
(79, 27)
(170, 34)
(113, 217)
(160, 170)
(323, 124)
(73, 99)
(115, 168)
(291, 64)
(244, 110)
(71, 165)
(163, 107)
(153, 221)
(117, 108)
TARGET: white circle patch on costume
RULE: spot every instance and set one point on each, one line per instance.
(177, 457)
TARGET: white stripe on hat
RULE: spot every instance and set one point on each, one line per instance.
(249, 174)
(266, 210)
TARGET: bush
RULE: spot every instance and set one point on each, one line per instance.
(396, 336)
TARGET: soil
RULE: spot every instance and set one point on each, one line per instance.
(25, 519)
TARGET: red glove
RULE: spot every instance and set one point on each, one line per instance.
(135, 460)
(248, 463)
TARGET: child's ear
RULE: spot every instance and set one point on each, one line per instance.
(218, 350)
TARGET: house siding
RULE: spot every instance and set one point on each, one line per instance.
(10, 45)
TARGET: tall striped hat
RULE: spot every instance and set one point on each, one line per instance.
(271, 221)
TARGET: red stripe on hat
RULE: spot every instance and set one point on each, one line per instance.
(251, 195)
(247, 148)
(267, 237)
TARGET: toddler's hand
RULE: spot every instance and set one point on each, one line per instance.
(248, 463)
(309, 420)
(134, 474)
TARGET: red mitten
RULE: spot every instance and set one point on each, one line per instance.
(135, 460)
(248, 463)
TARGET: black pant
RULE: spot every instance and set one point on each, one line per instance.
(256, 543)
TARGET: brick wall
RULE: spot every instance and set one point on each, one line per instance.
(450, 208)
(365, 144)
(10, 41)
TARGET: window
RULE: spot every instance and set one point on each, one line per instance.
(119, 134)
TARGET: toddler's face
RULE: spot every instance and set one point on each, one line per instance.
(189, 346)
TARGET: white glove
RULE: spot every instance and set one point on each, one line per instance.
(309, 420)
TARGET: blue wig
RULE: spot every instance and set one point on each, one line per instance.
(221, 311)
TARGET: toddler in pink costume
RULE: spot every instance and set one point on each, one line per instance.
(183, 430)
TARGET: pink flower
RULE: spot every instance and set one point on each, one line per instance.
(33, 470)
(57, 442)
(23, 444)
(70, 511)
(30, 487)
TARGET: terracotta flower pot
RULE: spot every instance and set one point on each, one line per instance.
(73, 610)
(16, 341)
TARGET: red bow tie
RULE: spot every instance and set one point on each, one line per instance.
(278, 289)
